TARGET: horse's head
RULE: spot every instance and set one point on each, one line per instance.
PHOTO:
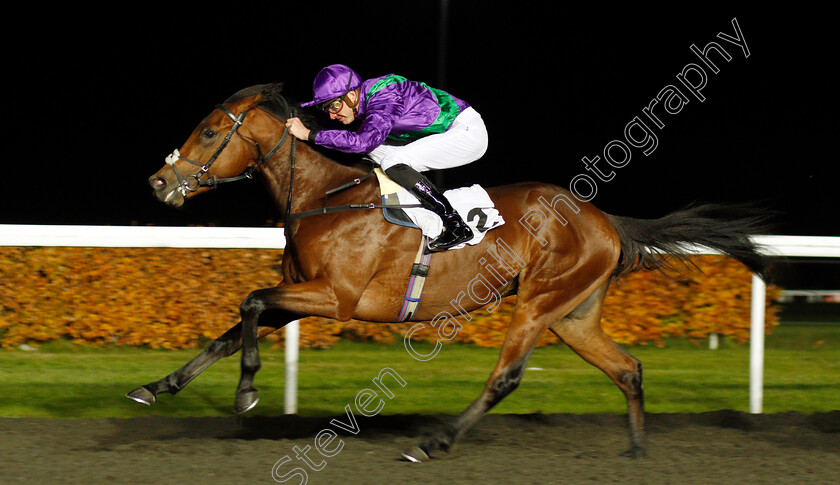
(221, 148)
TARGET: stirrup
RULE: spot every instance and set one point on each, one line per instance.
(455, 232)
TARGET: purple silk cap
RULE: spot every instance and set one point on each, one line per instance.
(332, 82)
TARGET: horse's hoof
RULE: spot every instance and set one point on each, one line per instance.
(415, 455)
(635, 452)
(245, 401)
(142, 395)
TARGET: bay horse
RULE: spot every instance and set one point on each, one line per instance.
(344, 262)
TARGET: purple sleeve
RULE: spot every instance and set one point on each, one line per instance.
(381, 113)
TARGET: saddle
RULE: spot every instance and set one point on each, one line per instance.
(401, 208)
(394, 213)
(472, 203)
(391, 205)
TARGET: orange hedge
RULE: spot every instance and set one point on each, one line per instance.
(181, 298)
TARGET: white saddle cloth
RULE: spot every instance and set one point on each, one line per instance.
(472, 204)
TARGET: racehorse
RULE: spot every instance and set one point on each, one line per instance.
(342, 260)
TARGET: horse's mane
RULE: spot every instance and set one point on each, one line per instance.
(274, 102)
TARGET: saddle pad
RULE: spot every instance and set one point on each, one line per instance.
(396, 215)
(472, 204)
(386, 183)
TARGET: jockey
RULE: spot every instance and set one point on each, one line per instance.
(406, 127)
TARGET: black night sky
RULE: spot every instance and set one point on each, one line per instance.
(95, 104)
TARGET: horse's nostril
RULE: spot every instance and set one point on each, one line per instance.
(157, 182)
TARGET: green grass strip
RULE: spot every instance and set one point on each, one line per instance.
(802, 373)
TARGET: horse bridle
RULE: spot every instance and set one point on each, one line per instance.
(193, 181)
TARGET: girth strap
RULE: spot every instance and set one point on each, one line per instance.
(416, 281)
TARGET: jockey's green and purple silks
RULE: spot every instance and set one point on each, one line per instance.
(393, 107)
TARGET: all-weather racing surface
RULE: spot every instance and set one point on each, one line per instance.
(716, 447)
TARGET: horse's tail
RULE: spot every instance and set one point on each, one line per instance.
(660, 243)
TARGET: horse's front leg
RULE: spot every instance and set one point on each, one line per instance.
(287, 303)
(224, 346)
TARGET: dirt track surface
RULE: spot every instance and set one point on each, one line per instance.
(719, 447)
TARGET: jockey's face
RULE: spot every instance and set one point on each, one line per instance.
(345, 114)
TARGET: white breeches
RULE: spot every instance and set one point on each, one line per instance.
(465, 141)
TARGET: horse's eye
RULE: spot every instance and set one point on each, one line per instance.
(209, 134)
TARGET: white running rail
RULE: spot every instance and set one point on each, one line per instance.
(272, 238)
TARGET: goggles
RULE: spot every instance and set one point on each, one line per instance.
(333, 106)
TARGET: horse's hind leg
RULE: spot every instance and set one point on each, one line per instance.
(224, 346)
(519, 342)
(581, 331)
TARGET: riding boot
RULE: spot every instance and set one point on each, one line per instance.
(455, 230)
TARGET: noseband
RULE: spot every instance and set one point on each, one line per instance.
(193, 181)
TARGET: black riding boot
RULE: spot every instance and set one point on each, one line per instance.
(455, 230)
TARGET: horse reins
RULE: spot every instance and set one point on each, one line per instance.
(185, 185)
